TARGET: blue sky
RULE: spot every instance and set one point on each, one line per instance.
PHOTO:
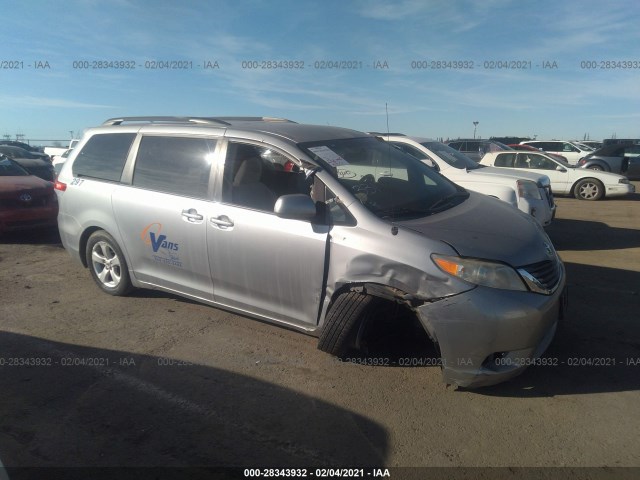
(567, 101)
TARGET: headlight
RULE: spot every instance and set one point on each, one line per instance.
(528, 189)
(623, 180)
(480, 272)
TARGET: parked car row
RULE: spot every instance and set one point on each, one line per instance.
(572, 151)
(530, 192)
(619, 157)
(565, 179)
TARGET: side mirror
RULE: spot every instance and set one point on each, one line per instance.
(296, 206)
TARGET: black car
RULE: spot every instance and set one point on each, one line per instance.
(25, 146)
(475, 148)
(33, 164)
(621, 158)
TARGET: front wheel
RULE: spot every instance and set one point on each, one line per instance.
(107, 264)
(346, 315)
(588, 189)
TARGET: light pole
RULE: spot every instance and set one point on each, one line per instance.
(475, 125)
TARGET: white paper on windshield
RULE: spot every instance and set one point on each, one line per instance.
(329, 156)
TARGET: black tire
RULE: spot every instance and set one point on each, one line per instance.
(597, 168)
(345, 316)
(107, 264)
(588, 189)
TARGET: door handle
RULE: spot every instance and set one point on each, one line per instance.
(222, 221)
(192, 215)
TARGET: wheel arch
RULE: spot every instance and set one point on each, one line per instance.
(378, 290)
(599, 163)
(84, 239)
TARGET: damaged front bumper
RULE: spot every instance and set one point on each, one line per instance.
(487, 336)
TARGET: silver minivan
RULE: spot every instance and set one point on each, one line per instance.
(316, 228)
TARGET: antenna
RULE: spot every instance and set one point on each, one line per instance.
(386, 110)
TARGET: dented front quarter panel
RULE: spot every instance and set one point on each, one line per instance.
(371, 253)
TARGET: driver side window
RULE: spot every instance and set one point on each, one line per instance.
(255, 176)
(540, 162)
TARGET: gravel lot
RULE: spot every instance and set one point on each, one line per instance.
(87, 379)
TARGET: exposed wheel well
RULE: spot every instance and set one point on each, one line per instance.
(391, 329)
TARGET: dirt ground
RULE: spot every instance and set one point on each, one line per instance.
(154, 380)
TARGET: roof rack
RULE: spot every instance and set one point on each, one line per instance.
(198, 120)
(121, 120)
(251, 119)
(384, 134)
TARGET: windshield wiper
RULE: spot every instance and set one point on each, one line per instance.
(444, 201)
(396, 212)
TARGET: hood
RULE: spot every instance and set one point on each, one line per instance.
(10, 186)
(486, 228)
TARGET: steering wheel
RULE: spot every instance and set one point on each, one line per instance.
(367, 184)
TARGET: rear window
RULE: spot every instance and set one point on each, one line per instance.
(104, 156)
(9, 168)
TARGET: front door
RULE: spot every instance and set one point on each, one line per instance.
(260, 263)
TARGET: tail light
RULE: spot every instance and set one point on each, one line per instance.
(582, 161)
(58, 185)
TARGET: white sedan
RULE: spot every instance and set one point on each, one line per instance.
(565, 179)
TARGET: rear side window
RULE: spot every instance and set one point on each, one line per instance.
(504, 160)
(177, 165)
(103, 156)
(633, 151)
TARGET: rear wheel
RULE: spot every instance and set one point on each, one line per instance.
(588, 189)
(107, 264)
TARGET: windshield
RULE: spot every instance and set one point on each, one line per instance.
(495, 146)
(584, 146)
(452, 156)
(387, 181)
(10, 168)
